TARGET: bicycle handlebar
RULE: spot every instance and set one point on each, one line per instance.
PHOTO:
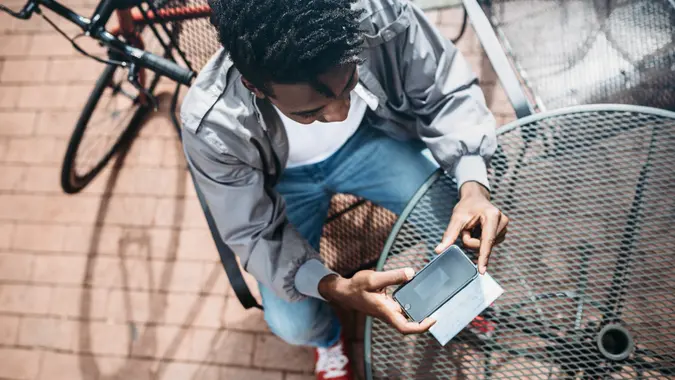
(23, 14)
(163, 66)
(124, 51)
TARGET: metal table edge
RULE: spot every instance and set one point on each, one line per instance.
(584, 108)
(383, 258)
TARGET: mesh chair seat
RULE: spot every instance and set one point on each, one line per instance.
(584, 52)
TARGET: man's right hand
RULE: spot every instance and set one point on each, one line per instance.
(365, 292)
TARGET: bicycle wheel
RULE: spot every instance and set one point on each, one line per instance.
(108, 120)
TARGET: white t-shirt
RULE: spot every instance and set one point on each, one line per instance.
(312, 143)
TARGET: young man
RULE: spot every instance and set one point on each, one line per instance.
(310, 98)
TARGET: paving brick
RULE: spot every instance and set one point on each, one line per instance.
(16, 266)
(181, 309)
(181, 276)
(292, 376)
(202, 372)
(124, 368)
(272, 352)
(222, 347)
(451, 16)
(105, 338)
(6, 23)
(108, 240)
(60, 209)
(24, 299)
(9, 329)
(19, 364)
(481, 66)
(26, 71)
(236, 317)
(498, 102)
(59, 269)
(14, 46)
(219, 286)
(54, 45)
(9, 96)
(169, 212)
(17, 123)
(47, 332)
(4, 146)
(194, 215)
(77, 96)
(79, 303)
(32, 150)
(152, 181)
(34, 25)
(158, 125)
(197, 244)
(137, 274)
(18, 207)
(12, 177)
(469, 44)
(6, 232)
(210, 311)
(131, 211)
(38, 237)
(163, 243)
(61, 366)
(242, 373)
(67, 70)
(44, 96)
(56, 123)
(165, 342)
(176, 370)
(78, 239)
(135, 306)
(106, 272)
(145, 152)
(172, 154)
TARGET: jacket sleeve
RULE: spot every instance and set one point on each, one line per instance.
(251, 219)
(452, 117)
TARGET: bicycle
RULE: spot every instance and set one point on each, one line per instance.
(129, 78)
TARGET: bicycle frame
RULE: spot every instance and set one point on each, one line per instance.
(127, 17)
(130, 48)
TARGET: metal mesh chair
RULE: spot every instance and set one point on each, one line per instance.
(575, 52)
(588, 267)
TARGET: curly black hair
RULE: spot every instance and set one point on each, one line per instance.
(287, 41)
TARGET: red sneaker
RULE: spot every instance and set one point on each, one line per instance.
(332, 363)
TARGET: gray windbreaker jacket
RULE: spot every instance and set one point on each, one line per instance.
(237, 147)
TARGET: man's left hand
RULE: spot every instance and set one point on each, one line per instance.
(474, 212)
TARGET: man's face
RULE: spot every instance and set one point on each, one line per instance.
(304, 104)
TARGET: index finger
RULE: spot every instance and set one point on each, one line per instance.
(451, 234)
(489, 228)
(379, 280)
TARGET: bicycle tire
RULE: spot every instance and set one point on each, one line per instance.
(72, 181)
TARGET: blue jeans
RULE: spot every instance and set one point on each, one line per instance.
(370, 165)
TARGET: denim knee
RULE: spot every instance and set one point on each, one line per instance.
(310, 322)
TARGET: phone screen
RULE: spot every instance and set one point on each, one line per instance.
(437, 282)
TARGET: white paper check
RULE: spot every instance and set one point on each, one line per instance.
(461, 309)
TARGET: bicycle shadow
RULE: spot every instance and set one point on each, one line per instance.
(142, 359)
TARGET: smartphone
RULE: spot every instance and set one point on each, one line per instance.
(437, 282)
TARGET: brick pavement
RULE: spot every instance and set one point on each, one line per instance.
(122, 281)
